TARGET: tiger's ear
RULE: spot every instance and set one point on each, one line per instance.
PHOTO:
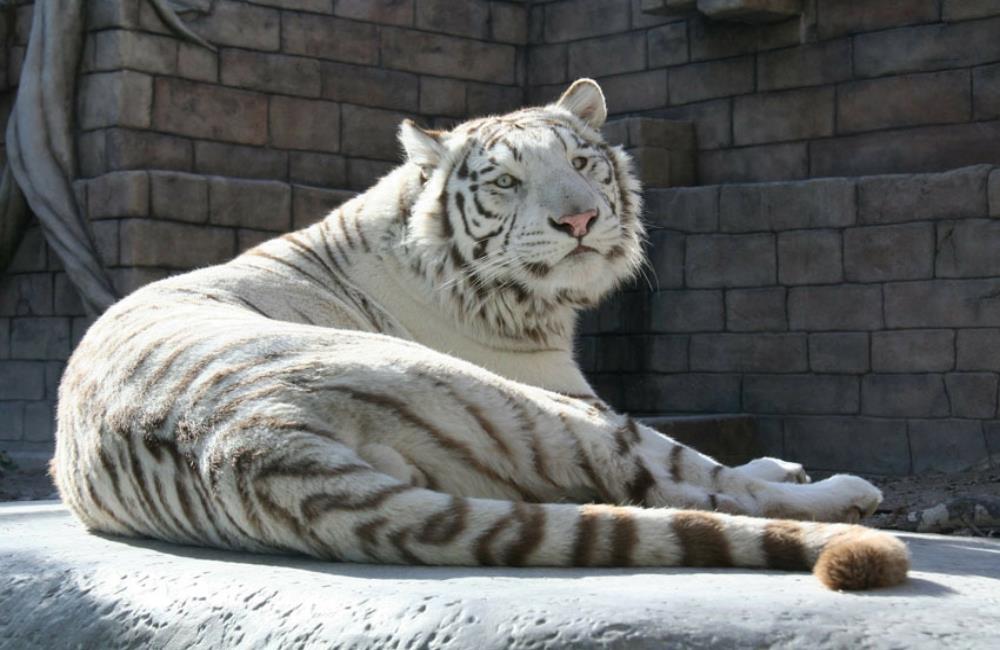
(585, 100)
(422, 147)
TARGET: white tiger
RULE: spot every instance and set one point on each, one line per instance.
(396, 384)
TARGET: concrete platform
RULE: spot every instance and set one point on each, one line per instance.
(61, 587)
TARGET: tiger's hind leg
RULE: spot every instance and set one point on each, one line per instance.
(775, 470)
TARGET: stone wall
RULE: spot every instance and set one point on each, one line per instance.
(851, 87)
(859, 319)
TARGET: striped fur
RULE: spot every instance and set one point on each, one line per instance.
(396, 384)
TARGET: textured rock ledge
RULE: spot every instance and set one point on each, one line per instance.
(61, 587)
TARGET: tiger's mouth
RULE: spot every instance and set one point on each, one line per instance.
(581, 250)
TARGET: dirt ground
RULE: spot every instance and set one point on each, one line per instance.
(963, 504)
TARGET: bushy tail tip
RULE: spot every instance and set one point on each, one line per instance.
(863, 559)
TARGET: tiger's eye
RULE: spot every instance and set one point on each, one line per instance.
(579, 163)
(505, 180)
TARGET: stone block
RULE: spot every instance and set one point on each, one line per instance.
(117, 48)
(371, 132)
(547, 64)
(12, 415)
(39, 338)
(812, 64)
(125, 149)
(509, 22)
(655, 132)
(26, 294)
(955, 10)
(118, 194)
(304, 124)
(688, 209)
(116, 13)
(609, 55)
(913, 396)
(667, 353)
(310, 204)
(247, 239)
(840, 17)
(470, 19)
(951, 195)
(666, 254)
(711, 121)
(491, 99)
(699, 81)
(710, 39)
(994, 193)
(121, 98)
(771, 162)
(221, 159)
(22, 380)
(822, 203)
(4, 338)
(906, 100)
(986, 92)
(658, 167)
(635, 91)
(620, 353)
(167, 244)
(231, 23)
(442, 97)
(810, 257)
(940, 46)
(781, 353)
(65, 299)
(386, 12)
(943, 303)
(800, 394)
(667, 7)
(840, 307)
(325, 170)
(946, 445)
(447, 56)
(30, 253)
(686, 311)
(80, 325)
(911, 150)
(868, 445)
(179, 196)
(730, 260)
(196, 63)
(362, 173)
(261, 205)
(209, 111)
(570, 21)
(750, 11)
(839, 352)
(978, 349)
(879, 253)
(39, 421)
(270, 73)
(686, 393)
(968, 248)
(53, 375)
(667, 45)
(756, 310)
(127, 280)
(972, 394)
(369, 86)
(913, 351)
(784, 115)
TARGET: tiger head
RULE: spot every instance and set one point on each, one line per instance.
(533, 202)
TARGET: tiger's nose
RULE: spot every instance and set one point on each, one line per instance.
(576, 225)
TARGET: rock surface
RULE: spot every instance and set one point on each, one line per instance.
(62, 587)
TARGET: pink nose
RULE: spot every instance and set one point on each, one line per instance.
(579, 223)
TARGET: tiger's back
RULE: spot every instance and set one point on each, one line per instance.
(396, 384)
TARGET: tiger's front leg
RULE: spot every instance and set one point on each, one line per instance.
(654, 470)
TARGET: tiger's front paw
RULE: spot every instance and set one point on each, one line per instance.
(849, 498)
(775, 470)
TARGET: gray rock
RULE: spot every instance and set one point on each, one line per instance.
(62, 587)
